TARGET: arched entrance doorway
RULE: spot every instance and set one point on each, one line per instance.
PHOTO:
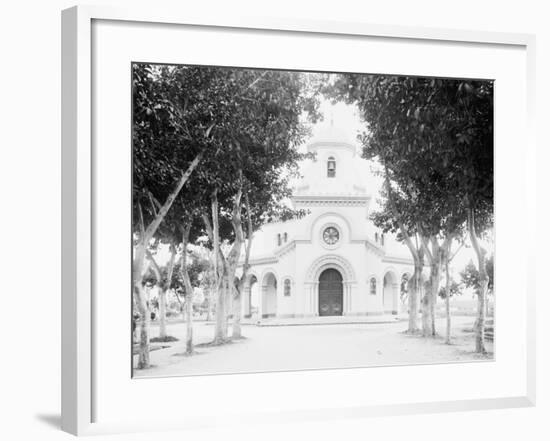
(331, 293)
(252, 303)
(390, 293)
(269, 296)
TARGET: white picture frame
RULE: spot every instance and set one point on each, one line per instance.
(79, 381)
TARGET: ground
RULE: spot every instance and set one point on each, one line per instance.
(283, 348)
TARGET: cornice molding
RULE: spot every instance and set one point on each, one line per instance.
(397, 259)
(321, 200)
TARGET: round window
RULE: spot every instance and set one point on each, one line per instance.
(331, 235)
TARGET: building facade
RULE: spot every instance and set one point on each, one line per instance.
(333, 261)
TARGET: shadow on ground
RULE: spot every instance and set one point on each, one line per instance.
(50, 419)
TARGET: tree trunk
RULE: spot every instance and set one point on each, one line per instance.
(162, 314)
(211, 301)
(153, 226)
(189, 347)
(426, 311)
(220, 330)
(164, 286)
(229, 265)
(139, 260)
(417, 257)
(483, 282)
(142, 305)
(167, 285)
(447, 301)
(237, 305)
(435, 276)
(228, 293)
(415, 289)
(143, 309)
(435, 257)
(435, 272)
(243, 281)
(427, 298)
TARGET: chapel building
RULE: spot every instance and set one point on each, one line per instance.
(333, 261)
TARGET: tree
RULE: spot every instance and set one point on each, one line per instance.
(241, 125)
(188, 286)
(165, 153)
(471, 278)
(470, 275)
(433, 138)
(164, 281)
(258, 126)
(450, 289)
(393, 216)
(208, 284)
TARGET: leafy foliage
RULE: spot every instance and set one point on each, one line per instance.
(247, 122)
(434, 139)
(470, 275)
(455, 288)
(197, 266)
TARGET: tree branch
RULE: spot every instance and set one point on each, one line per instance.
(154, 265)
(141, 221)
(405, 234)
(425, 245)
(153, 226)
(456, 252)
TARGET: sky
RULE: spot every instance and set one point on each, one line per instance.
(343, 116)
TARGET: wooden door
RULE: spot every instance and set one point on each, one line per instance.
(331, 293)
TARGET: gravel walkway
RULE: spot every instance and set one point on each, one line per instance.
(284, 348)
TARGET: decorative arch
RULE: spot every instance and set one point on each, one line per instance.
(269, 286)
(331, 167)
(377, 281)
(289, 277)
(265, 273)
(390, 291)
(252, 295)
(347, 280)
(330, 261)
(319, 219)
(290, 286)
(251, 275)
(391, 269)
(330, 153)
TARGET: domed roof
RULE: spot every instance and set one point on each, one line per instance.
(330, 135)
(351, 177)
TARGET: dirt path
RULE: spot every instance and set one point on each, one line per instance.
(286, 348)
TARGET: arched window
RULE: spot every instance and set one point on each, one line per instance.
(279, 239)
(287, 288)
(382, 239)
(373, 286)
(376, 237)
(331, 167)
(285, 237)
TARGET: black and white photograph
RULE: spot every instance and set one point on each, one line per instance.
(287, 220)
(240, 220)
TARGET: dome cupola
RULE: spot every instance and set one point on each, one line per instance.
(335, 174)
(331, 137)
